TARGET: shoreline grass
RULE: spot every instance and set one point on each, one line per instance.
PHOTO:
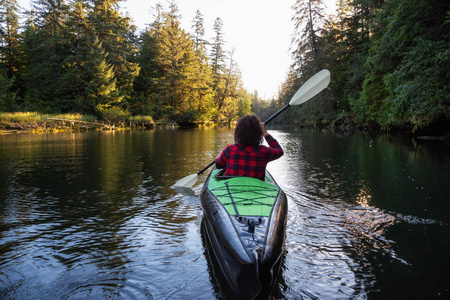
(32, 122)
(37, 118)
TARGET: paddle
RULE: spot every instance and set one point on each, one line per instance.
(309, 89)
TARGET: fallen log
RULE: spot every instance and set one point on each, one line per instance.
(444, 138)
(77, 121)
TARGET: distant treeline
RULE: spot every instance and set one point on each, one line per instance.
(389, 61)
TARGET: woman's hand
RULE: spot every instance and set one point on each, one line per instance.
(264, 129)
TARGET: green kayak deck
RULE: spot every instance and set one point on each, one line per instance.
(245, 196)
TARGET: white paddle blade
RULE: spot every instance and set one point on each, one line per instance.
(187, 181)
(312, 87)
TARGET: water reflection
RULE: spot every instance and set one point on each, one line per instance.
(93, 215)
(352, 200)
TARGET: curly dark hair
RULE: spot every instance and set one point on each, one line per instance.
(248, 131)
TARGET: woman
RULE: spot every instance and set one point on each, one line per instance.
(247, 157)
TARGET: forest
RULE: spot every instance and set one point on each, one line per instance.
(389, 61)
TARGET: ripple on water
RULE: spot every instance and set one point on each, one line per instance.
(93, 256)
(333, 248)
(319, 243)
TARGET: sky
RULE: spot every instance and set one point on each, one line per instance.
(259, 31)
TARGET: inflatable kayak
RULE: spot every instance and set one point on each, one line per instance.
(245, 220)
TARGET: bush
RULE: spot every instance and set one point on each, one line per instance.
(142, 119)
(115, 115)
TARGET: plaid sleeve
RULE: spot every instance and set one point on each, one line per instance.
(274, 151)
(221, 161)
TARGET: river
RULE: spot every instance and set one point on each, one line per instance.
(93, 215)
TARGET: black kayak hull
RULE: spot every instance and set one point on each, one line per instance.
(247, 248)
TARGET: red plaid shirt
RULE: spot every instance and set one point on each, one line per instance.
(249, 161)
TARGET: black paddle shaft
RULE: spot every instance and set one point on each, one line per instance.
(277, 113)
(206, 168)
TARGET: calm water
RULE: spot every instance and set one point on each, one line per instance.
(92, 215)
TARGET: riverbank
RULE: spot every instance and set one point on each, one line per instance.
(16, 123)
(32, 122)
(436, 131)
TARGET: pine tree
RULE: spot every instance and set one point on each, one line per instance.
(101, 89)
(10, 60)
(308, 42)
(309, 54)
(9, 36)
(145, 100)
(148, 87)
(348, 45)
(45, 49)
(228, 85)
(7, 94)
(174, 62)
(218, 54)
(222, 76)
(78, 38)
(117, 38)
(244, 103)
(202, 76)
(199, 33)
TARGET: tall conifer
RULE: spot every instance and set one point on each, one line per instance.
(9, 36)
(217, 54)
(101, 89)
(175, 62)
(202, 76)
(115, 33)
(45, 47)
(308, 49)
(10, 58)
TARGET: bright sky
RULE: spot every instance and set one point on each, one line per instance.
(259, 31)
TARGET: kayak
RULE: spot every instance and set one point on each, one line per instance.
(245, 222)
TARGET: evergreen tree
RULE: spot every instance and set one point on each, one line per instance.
(117, 38)
(9, 36)
(217, 54)
(199, 33)
(148, 98)
(225, 79)
(349, 42)
(309, 56)
(287, 90)
(101, 90)
(10, 58)
(175, 63)
(226, 89)
(308, 52)
(79, 39)
(244, 103)
(7, 94)
(45, 48)
(145, 100)
(201, 76)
